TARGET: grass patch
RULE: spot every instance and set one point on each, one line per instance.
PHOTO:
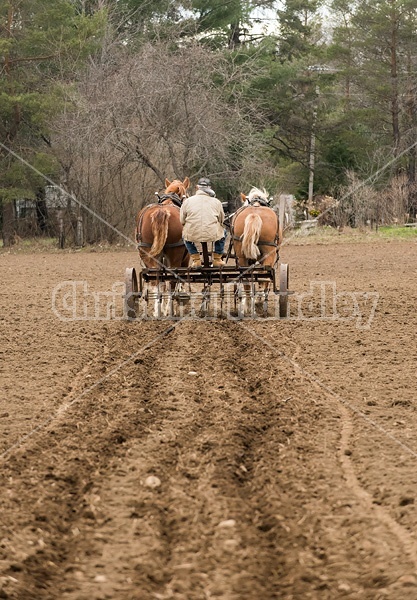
(405, 233)
(36, 244)
(329, 235)
(46, 244)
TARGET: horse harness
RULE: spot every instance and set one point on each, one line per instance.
(259, 200)
(176, 201)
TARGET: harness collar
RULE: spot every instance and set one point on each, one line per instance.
(169, 196)
(260, 200)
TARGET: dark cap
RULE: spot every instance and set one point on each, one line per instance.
(204, 182)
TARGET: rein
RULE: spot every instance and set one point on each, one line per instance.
(260, 242)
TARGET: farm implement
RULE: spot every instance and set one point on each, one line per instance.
(207, 292)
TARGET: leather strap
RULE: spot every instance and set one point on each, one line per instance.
(260, 242)
(170, 196)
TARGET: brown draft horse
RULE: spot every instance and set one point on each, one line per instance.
(159, 230)
(256, 234)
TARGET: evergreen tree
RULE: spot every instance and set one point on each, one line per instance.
(289, 91)
(299, 28)
(225, 20)
(384, 33)
(43, 45)
(374, 50)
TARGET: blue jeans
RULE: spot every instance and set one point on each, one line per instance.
(218, 246)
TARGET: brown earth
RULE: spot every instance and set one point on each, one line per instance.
(210, 459)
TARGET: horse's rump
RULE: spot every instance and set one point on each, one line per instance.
(251, 233)
(255, 229)
(159, 222)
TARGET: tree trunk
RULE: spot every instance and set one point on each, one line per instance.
(394, 81)
(41, 210)
(411, 110)
(234, 36)
(8, 222)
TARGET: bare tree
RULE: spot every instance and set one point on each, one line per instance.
(138, 119)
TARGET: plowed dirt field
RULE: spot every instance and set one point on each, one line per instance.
(210, 459)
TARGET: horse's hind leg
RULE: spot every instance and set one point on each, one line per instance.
(243, 292)
(153, 300)
(173, 258)
(245, 300)
(269, 260)
(153, 292)
(168, 305)
(261, 298)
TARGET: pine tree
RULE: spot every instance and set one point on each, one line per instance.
(293, 106)
(384, 31)
(43, 44)
(298, 28)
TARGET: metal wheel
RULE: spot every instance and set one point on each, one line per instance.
(284, 275)
(131, 294)
(171, 305)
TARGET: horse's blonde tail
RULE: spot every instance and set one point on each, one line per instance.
(250, 238)
(159, 221)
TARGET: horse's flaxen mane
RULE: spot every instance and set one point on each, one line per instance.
(257, 193)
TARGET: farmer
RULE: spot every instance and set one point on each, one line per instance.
(202, 217)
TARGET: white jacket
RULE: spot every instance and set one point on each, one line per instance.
(202, 216)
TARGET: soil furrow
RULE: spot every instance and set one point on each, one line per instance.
(207, 465)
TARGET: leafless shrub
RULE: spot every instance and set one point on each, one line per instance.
(356, 203)
(360, 204)
(395, 200)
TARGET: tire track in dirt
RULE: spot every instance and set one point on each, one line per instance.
(237, 558)
(37, 570)
(404, 537)
(347, 429)
(365, 499)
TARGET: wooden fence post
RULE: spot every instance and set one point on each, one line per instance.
(281, 218)
(61, 230)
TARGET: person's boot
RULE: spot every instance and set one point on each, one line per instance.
(217, 260)
(196, 261)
